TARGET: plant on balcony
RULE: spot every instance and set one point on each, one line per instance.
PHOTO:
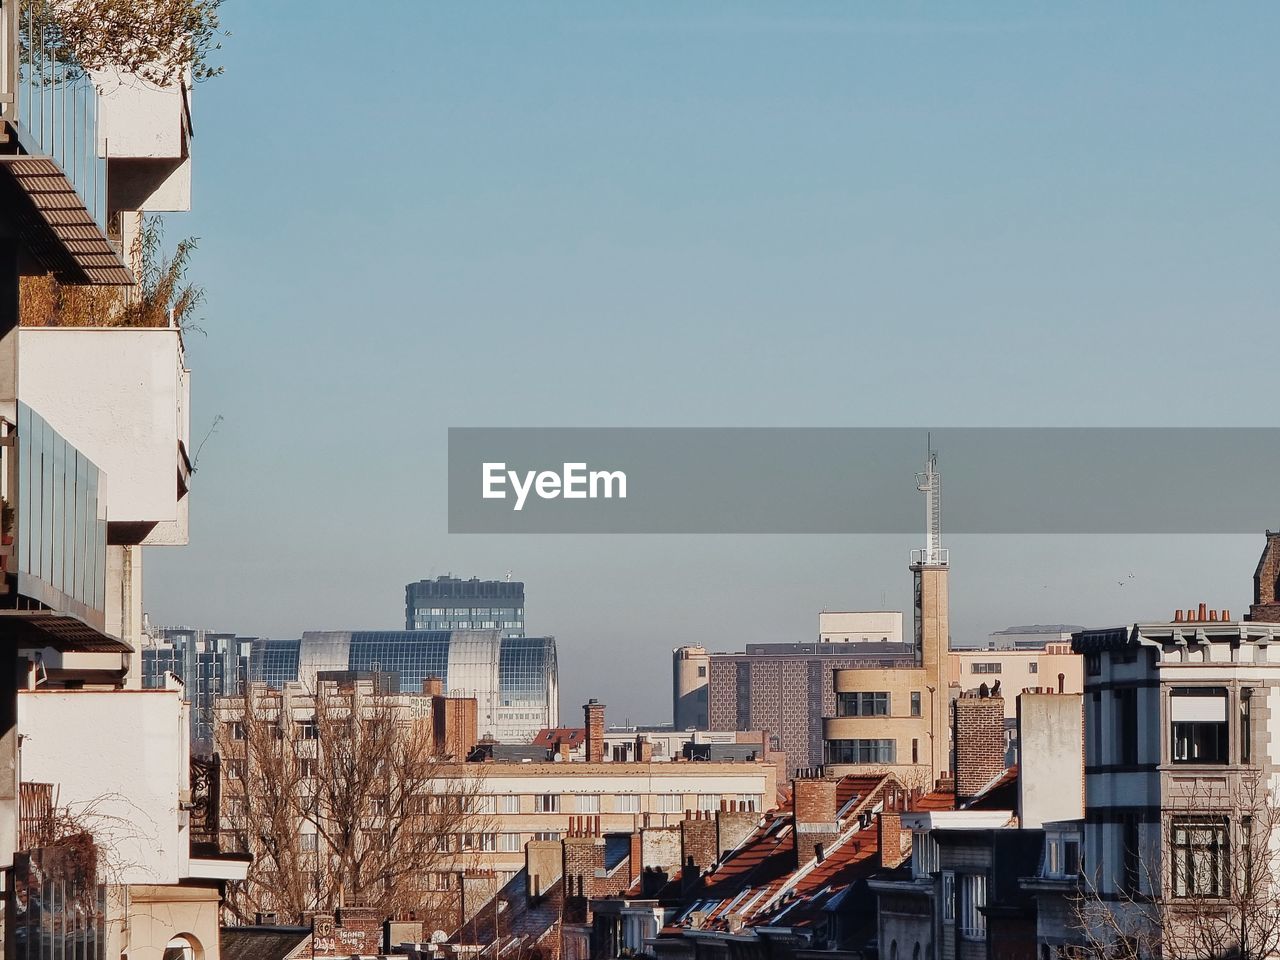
(160, 41)
(161, 298)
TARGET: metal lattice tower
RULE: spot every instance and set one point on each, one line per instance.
(930, 484)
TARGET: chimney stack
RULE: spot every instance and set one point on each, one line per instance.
(644, 750)
(891, 838)
(978, 736)
(594, 716)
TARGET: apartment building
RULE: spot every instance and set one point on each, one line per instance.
(1050, 665)
(94, 471)
(503, 806)
(209, 664)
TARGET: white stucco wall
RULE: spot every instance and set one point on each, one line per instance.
(119, 396)
(119, 759)
(139, 120)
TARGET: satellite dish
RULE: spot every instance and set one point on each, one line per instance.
(439, 936)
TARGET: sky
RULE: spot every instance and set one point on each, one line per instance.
(413, 216)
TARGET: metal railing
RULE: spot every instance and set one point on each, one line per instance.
(53, 100)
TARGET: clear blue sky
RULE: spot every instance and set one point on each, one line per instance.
(415, 216)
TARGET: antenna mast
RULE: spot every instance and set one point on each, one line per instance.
(930, 484)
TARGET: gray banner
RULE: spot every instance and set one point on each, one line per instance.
(857, 480)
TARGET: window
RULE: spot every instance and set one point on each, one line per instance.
(1200, 857)
(1130, 856)
(1062, 856)
(1246, 726)
(378, 806)
(708, 802)
(486, 804)
(509, 843)
(702, 671)
(924, 854)
(948, 895)
(1033, 667)
(307, 842)
(862, 704)
(860, 751)
(915, 750)
(546, 803)
(509, 803)
(670, 802)
(547, 835)
(1126, 704)
(1199, 721)
(307, 767)
(589, 803)
(306, 729)
(915, 703)
(483, 842)
(626, 803)
(237, 730)
(1093, 664)
(973, 897)
(986, 667)
(748, 801)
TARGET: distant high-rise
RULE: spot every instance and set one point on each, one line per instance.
(451, 603)
(209, 664)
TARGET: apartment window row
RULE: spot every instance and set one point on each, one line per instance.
(621, 803)
(1199, 726)
(861, 751)
(862, 704)
(993, 666)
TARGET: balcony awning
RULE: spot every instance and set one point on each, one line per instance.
(55, 226)
(37, 629)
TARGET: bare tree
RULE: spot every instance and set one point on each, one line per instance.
(343, 801)
(1208, 888)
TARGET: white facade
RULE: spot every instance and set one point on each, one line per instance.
(137, 427)
(860, 626)
(119, 764)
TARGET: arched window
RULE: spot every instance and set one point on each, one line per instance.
(893, 950)
(915, 951)
(183, 947)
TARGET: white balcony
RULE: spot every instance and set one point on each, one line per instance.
(118, 760)
(121, 396)
(144, 133)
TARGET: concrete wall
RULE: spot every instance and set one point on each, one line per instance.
(1051, 760)
(859, 626)
(119, 760)
(120, 397)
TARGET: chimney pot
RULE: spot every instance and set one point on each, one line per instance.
(1226, 614)
(1177, 616)
(1202, 611)
(1213, 616)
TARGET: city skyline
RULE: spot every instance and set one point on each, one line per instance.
(835, 216)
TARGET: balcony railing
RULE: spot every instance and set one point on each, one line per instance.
(56, 105)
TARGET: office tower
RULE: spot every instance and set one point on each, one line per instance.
(209, 666)
(450, 603)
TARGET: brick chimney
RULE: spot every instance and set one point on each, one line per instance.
(814, 802)
(978, 735)
(895, 847)
(697, 845)
(593, 710)
(644, 750)
(1266, 582)
(432, 686)
(733, 825)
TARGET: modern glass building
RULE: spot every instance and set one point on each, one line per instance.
(209, 665)
(515, 680)
(450, 603)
